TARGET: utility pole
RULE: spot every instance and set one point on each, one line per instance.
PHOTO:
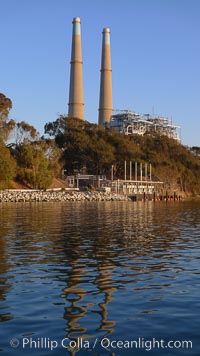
(150, 172)
(135, 170)
(112, 168)
(141, 172)
(130, 170)
(146, 171)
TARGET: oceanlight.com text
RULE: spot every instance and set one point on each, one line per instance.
(43, 343)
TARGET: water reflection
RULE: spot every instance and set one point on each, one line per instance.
(105, 269)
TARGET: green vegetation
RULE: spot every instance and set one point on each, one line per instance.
(29, 159)
(37, 163)
(6, 125)
(7, 166)
(78, 146)
(96, 149)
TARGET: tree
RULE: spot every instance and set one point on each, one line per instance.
(100, 157)
(25, 133)
(6, 125)
(7, 164)
(63, 125)
(88, 145)
(38, 163)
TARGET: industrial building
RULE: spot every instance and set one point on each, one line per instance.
(131, 123)
(124, 121)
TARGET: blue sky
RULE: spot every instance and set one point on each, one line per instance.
(155, 53)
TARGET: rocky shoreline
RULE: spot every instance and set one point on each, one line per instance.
(48, 196)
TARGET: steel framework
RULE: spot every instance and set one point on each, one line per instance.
(132, 123)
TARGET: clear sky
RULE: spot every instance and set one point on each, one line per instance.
(155, 53)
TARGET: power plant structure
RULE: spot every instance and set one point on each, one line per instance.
(105, 98)
(76, 101)
(124, 121)
(132, 123)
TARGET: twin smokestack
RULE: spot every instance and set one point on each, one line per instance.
(76, 101)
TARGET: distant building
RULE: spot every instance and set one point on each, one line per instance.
(131, 123)
(124, 121)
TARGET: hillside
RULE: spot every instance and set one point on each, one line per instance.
(92, 149)
(77, 146)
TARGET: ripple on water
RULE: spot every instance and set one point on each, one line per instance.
(119, 270)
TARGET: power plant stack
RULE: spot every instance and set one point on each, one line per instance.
(105, 100)
(76, 103)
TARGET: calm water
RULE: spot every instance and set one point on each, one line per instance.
(77, 277)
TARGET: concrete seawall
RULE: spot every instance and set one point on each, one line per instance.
(42, 196)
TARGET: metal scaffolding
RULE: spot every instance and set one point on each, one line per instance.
(132, 123)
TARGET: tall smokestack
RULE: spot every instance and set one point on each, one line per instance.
(105, 100)
(76, 103)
